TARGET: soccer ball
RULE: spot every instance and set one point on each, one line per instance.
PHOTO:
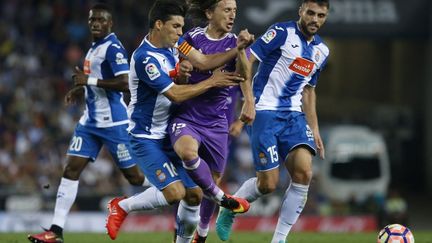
(395, 233)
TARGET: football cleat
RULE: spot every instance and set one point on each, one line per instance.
(235, 204)
(224, 223)
(45, 237)
(116, 216)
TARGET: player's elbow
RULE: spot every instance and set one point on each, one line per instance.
(176, 98)
(175, 94)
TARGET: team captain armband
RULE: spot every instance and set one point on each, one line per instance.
(184, 48)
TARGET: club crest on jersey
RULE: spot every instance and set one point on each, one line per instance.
(152, 71)
(302, 66)
(160, 175)
(262, 158)
(317, 57)
(269, 36)
(120, 59)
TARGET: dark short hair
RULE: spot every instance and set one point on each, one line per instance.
(164, 9)
(197, 10)
(101, 6)
(325, 3)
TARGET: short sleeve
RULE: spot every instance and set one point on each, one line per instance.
(150, 72)
(117, 58)
(274, 38)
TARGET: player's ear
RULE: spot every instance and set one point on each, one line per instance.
(208, 14)
(110, 24)
(158, 24)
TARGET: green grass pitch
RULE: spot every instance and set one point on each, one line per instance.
(237, 237)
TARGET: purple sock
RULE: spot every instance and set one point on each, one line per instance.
(200, 173)
(206, 212)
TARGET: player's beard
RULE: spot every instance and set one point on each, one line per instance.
(304, 27)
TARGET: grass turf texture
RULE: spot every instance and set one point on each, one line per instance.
(237, 237)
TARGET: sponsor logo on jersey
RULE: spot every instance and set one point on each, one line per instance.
(269, 36)
(152, 71)
(317, 57)
(122, 152)
(302, 66)
(262, 158)
(120, 59)
(86, 67)
(160, 175)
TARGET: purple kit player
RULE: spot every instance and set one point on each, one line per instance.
(199, 127)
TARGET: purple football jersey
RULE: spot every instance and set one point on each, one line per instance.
(233, 96)
(209, 108)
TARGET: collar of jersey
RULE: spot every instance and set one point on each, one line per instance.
(95, 43)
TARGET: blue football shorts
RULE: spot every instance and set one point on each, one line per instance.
(159, 162)
(87, 142)
(274, 134)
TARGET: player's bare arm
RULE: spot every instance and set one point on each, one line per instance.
(309, 108)
(243, 68)
(180, 93)
(119, 83)
(209, 62)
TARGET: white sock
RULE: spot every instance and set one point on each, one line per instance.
(149, 199)
(203, 232)
(187, 220)
(292, 205)
(66, 195)
(249, 190)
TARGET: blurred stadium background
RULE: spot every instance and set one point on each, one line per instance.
(378, 76)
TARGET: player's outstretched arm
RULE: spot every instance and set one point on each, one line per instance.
(119, 83)
(180, 93)
(210, 62)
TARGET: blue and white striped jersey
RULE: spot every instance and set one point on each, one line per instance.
(287, 64)
(106, 59)
(149, 109)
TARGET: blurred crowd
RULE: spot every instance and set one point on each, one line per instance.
(40, 43)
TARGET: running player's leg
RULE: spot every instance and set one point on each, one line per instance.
(299, 141)
(84, 147)
(167, 186)
(214, 149)
(266, 160)
(187, 215)
(186, 142)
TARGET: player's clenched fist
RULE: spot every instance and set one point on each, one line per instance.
(244, 39)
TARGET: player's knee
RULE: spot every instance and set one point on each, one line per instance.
(174, 194)
(302, 175)
(266, 187)
(136, 180)
(188, 154)
(193, 197)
